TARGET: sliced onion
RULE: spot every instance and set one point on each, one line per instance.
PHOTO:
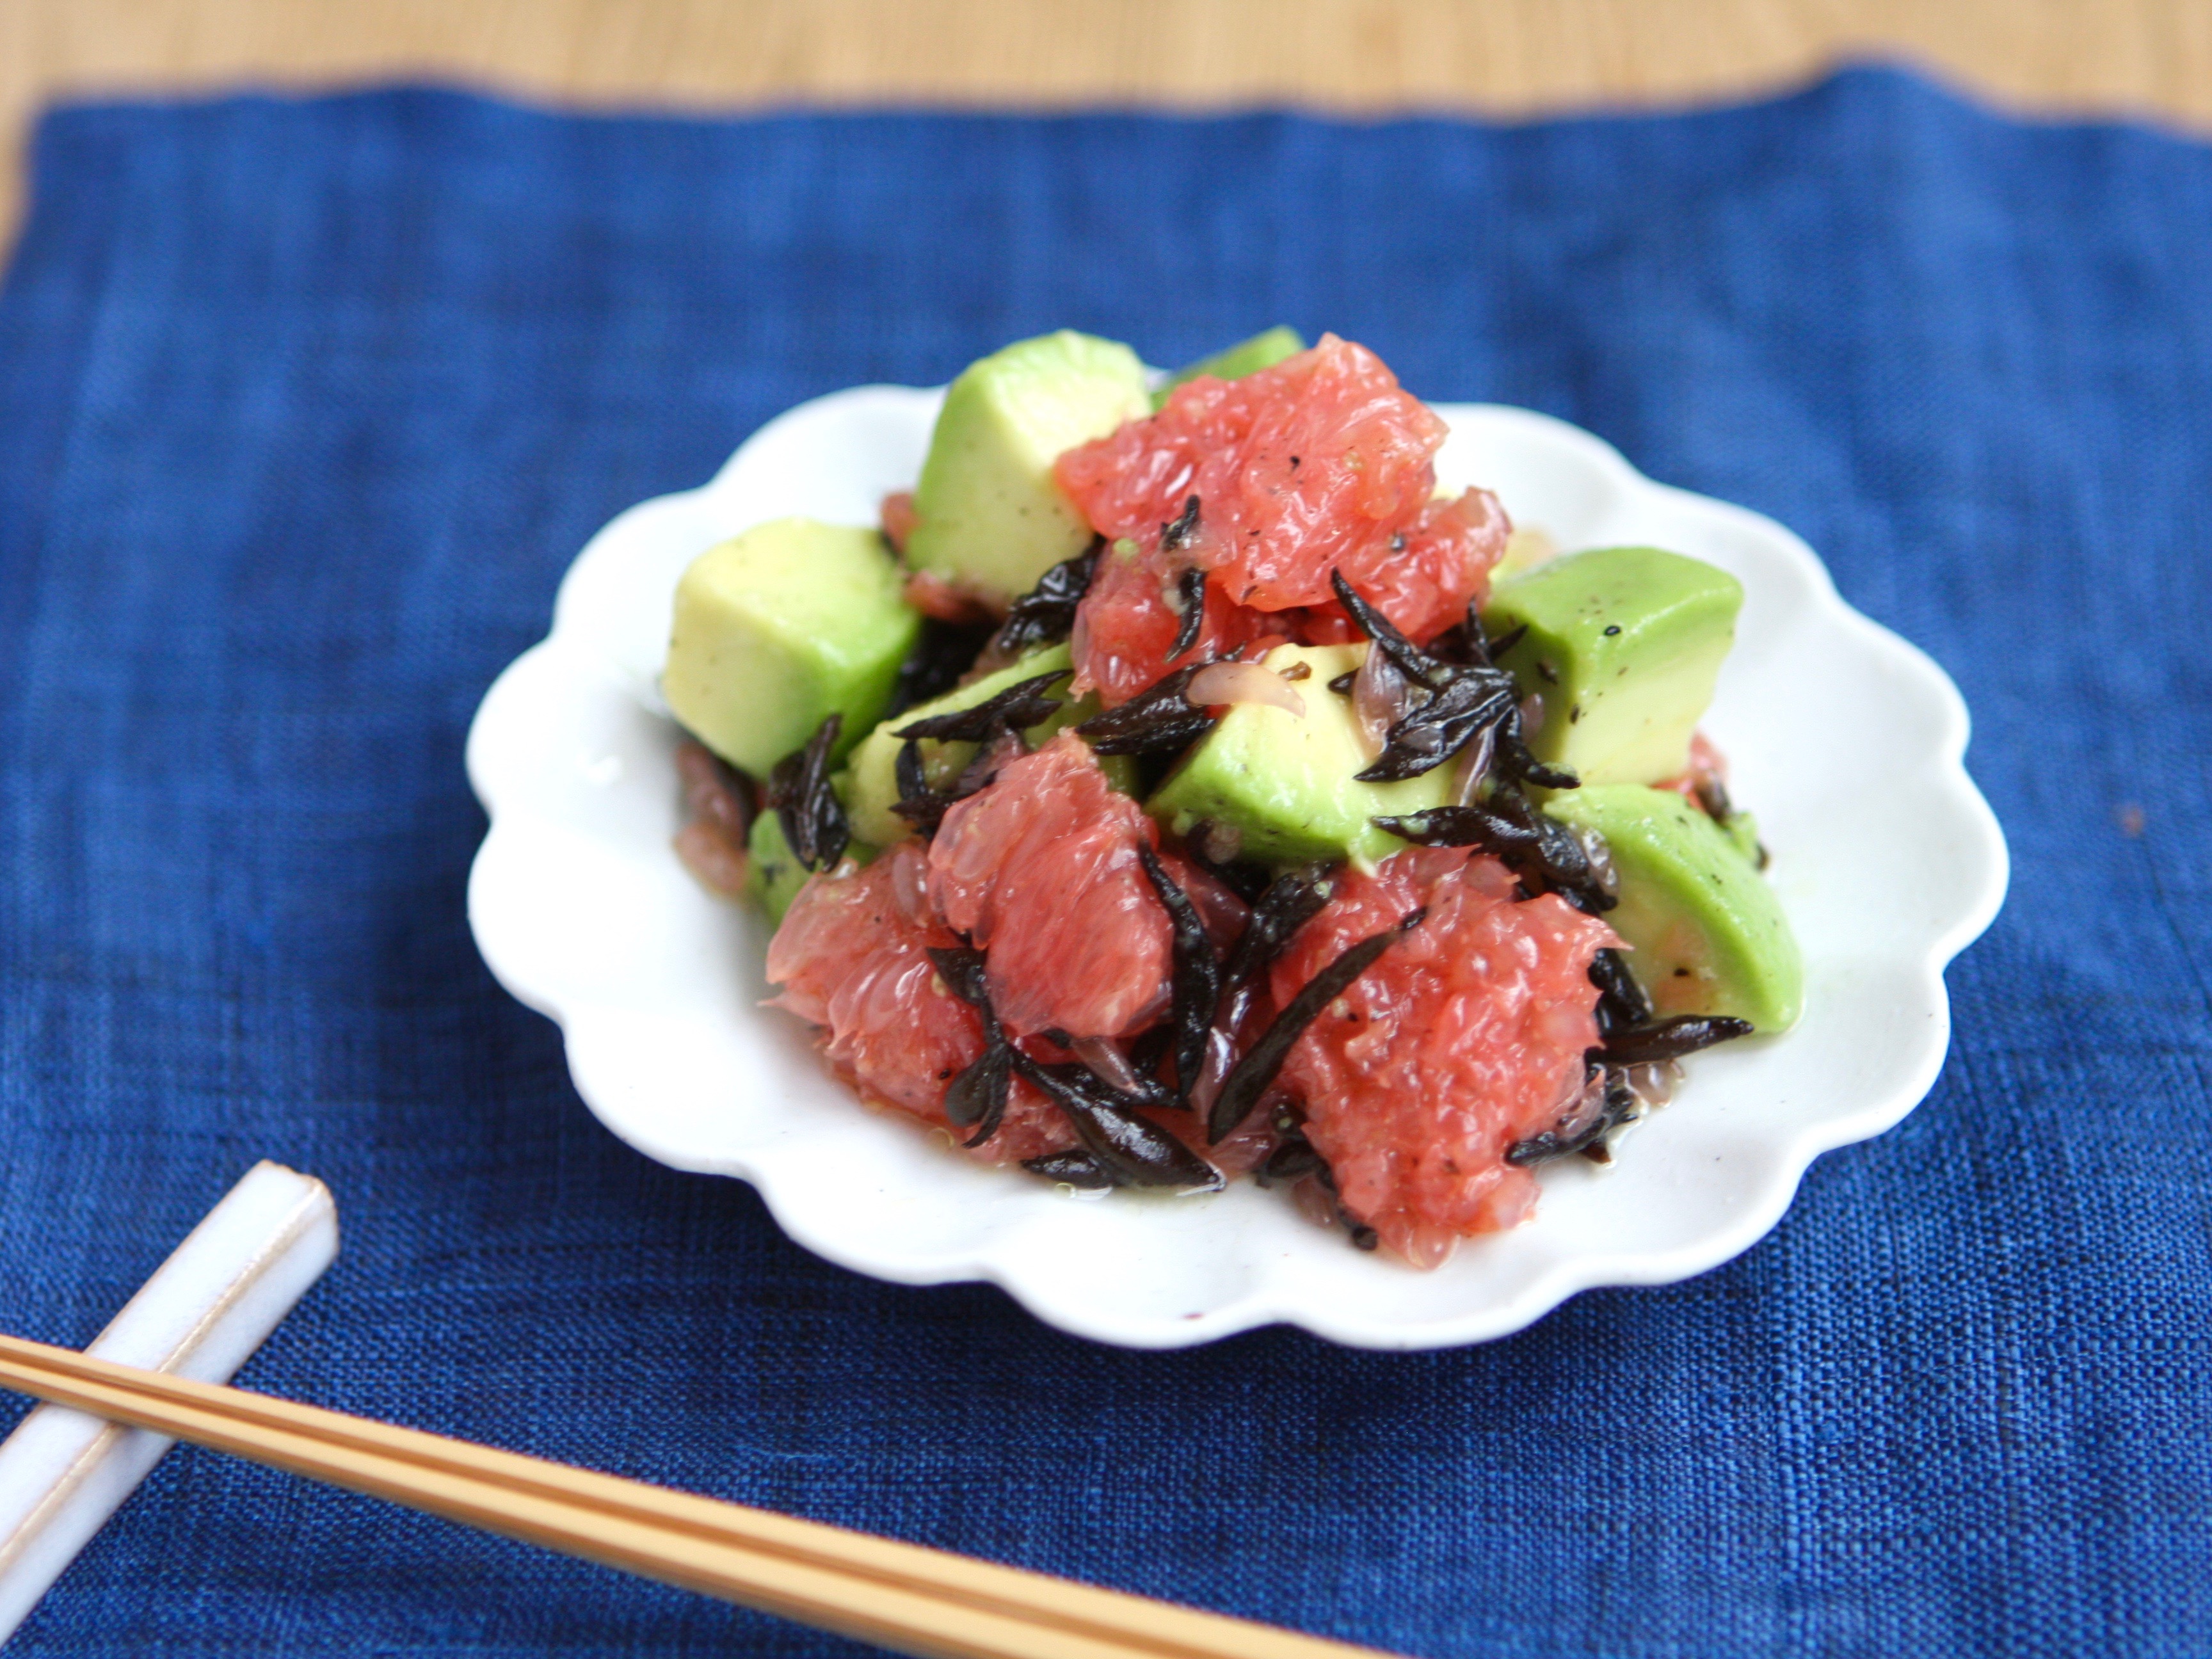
(1220, 1055)
(1427, 1248)
(987, 762)
(910, 883)
(711, 856)
(1654, 1085)
(1603, 871)
(1242, 681)
(1103, 1057)
(712, 792)
(1584, 1101)
(1380, 696)
(1474, 767)
(1314, 1202)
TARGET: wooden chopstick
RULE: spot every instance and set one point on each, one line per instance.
(902, 1596)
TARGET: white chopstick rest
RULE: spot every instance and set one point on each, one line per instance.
(201, 1315)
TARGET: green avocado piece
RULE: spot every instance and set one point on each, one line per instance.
(1245, 357)
(776, 630)
(1284, 781)
(1705, 933)
(773, 874)
(1743, 830)
(1623, 645)
(869, 785)
(988, 511)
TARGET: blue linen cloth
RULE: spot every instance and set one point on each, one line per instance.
(304, 408)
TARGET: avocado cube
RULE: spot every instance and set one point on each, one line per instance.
(1284, 781)
(780, 628)
(1623, 645)
(1704, 932)
(1743, 830)
(869, 786)
(773, 874)
(989, 512)
(1245, 357)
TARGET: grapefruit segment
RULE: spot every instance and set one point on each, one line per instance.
(1128, 620)
(1040, 870)
(852, 956)
(1465, 1036)
(1320, 463)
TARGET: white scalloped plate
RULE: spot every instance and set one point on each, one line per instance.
(582, 910)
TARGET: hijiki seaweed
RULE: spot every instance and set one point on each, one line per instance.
(1175, 534)
(1020, 706)
(976, 1098)
(1157, 720)
(1250, 1077)
(1123, 1148)
(1046, 614)
(1128, 1148)
(799, 794)
(1197, 974)
(1546, 855)
(1294, 1158)
(1190, 593)
(1628, 1036)
(995, 724)
(1468, 698)
(944, 651)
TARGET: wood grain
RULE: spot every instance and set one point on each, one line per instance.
(1508, 57)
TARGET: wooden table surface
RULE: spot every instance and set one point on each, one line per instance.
(2145, 57)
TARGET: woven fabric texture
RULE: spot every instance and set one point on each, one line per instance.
(305, 407)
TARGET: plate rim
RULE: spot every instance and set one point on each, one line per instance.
(564, 656)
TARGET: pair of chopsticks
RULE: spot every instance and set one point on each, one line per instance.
(902, 1597)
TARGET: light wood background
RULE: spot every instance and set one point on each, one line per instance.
(2150, 57)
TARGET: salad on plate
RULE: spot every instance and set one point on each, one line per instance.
(1175, 787)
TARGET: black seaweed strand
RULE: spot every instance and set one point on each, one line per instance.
(1617, 1105)
(1175, 534)
(962, 968)
(1190, 589)
(1136, 1151)
(1470, 702)
(1291, 900)
(1293, 1159)
(1621, 1002)
(1157, 720)
(1417, 664)
(1073, 1168)
(1197, 972)
(924, 807)
(1468, 698)
(913, 776)
(1046, 614)
(1021, 705)
(798, 790)
(1541, 851)
(976, 1099)
(1515, 762)
(942, 653)
(1672, 1038)
(1250, 1077)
